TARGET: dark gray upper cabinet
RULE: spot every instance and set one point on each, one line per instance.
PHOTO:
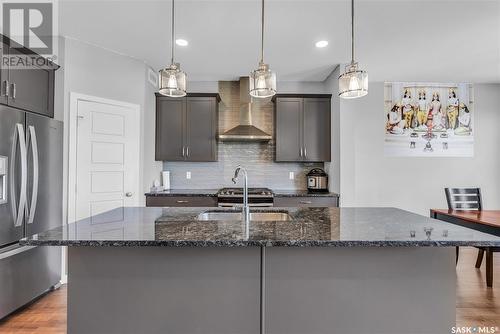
(170, 129)
(288, 127)
(302, 127)
(31, 87)
(201, 129)
(4, 75)
(186, 128)
(317, 136)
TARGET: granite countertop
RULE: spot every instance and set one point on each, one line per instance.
(185, 192)
(213, 193)
(302, 193)
(309, 227)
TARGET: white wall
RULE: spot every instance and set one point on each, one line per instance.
(95, 71)
(331, 86)
(306, 87)
(369, 179)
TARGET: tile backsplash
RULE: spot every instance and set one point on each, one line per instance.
(257, 158)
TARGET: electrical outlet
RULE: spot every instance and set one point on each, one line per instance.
(188, 175)
(291, 175)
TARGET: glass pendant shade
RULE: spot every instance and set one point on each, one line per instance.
(353, 82)
(172, 81)
(262, 82)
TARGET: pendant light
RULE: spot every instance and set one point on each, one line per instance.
(262, 80)
(172, 81)
(353, 82)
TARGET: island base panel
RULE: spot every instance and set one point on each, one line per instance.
(163, 290)
(360, 290)
(310, 290)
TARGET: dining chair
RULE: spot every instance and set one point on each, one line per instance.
(469, 199)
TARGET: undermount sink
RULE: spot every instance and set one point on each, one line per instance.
(255, 216)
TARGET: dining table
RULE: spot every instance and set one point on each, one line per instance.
(487, 221)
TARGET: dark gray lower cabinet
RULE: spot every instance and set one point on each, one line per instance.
(186, 128)
(181, 201)
(306, 201)
(303, 127)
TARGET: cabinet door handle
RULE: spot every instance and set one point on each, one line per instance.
(182, 201)
(305, 151)
(300, 152)
(183, 149)
(13, 90)
(187, 151)
(305, 202)
(6, 89)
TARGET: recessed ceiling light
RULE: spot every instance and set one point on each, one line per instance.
(321, 44)
(181, 42)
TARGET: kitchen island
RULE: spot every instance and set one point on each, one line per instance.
(293, 270)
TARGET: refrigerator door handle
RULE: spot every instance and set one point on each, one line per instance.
(31, 207)
(18, 211)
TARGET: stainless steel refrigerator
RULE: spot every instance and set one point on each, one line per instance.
(30, 202)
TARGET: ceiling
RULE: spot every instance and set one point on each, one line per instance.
(396, 40)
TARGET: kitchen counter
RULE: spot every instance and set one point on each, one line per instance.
(309, 227)
(185, 192)
(302, 193)
(327, 270)
(213, 192)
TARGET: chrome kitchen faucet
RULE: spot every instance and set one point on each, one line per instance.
(246, 209)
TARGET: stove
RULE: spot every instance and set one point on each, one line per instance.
(257, 197)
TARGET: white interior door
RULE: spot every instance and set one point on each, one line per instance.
(107, 159)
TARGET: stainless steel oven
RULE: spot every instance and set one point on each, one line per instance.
(233, 197)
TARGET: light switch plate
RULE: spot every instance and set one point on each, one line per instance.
(188, 175)
(291, 176)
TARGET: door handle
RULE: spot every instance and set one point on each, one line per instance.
(30, 208)
(5, 88)
(305, 152)
(305, 202)
(13, 90)
(187, 151)
(183, 149)
(300, 152)
(129, 194)
(18, 211)
(182, 201)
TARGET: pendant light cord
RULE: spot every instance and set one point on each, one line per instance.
(173, 31)
(262, 36)
(352, 31)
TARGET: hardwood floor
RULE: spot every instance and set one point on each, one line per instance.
(477, 305)
(45, 316)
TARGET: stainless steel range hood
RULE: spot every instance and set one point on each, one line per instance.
(245, 131)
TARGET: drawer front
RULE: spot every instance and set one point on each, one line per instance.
(181, 201)
(305, 201)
